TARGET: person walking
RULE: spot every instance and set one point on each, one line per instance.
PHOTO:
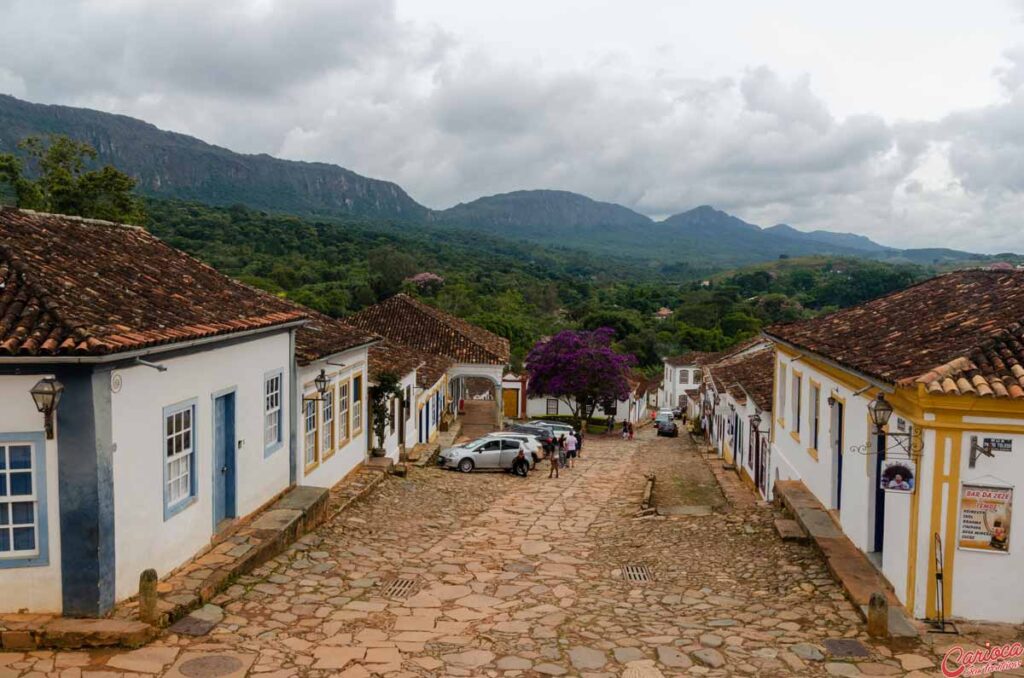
(625, 430)
(561, 451)
(632, 431)
(570, 449)
(553, 459)
(579, 444)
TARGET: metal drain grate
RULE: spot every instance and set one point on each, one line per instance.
(636, 572)
(399, 587)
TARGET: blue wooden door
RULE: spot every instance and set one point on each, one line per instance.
(224, 458)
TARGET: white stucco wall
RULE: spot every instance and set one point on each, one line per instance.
(352, 452)
(392, 448)
(37, 589)
(984, 583)
(143, 538)
(671, 388)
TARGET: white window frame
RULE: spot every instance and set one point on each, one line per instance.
(327, 419)
(39, 554)
(186, 455)
(310, 448)
(273, 412)
(343, 413)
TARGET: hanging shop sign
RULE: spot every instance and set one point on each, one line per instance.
(898, 475)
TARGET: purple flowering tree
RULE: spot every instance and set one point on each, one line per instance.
(581, 369)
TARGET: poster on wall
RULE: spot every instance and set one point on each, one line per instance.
(898, 475)
(985, 518)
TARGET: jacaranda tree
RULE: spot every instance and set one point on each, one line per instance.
(581, 369)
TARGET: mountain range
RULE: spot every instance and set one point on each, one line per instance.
(171, 165)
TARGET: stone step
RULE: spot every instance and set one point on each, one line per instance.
(790, 530)
(72, 634)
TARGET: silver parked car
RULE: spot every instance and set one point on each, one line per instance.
(484, 453)
(558, 427)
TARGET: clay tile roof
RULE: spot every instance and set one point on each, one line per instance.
(690, 358)
(959, 333)
(747, 374)
(400, 360)
(324, 336)
(73, 287)
(412, 323)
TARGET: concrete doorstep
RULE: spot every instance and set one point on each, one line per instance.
(847, 563)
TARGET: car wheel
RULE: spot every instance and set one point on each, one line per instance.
(466, 465)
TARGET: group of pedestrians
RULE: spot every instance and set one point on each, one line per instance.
(562, 452)
(627, 430)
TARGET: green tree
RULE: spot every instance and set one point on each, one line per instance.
(65, 185)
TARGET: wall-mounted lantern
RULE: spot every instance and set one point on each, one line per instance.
(46, 394)
(321, 382)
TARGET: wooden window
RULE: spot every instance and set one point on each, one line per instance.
(343, 414)
(179, 457)
(327, 416)
(814, 403)
(311, 453)
(552, 406)
(798, 383)
(19, 503)
(684, 376)
(357, 404)
(780, 387)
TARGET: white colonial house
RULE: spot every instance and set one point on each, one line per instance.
(681, 379)
(330, 397)
(633, 408)
(735, 406)
(134, 425)
(904, 417)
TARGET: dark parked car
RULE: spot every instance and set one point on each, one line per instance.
(542, 433)
(667, 427)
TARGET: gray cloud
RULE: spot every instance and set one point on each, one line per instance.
(346, 81)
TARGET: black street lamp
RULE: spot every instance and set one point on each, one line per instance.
(46, 394)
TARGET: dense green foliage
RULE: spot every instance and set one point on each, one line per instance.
(57, 179)
(522, 292)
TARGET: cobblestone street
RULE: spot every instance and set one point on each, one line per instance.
(524, 577)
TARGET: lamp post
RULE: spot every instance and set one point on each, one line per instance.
(880, 411)
(46, 394)
(320, 382)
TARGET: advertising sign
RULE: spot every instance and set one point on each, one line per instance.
(985, 518)
(898, 475)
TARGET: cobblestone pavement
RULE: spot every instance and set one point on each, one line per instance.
(515, 577)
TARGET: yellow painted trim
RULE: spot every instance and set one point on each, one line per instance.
(912, 532)
(797, 386)
(952, 516)
(813, 453)
(936, 514)
(352, 394)
(327, 454)
(812, 385)
(316, 437)
(795, 435)
(775, 393)
(845, 378)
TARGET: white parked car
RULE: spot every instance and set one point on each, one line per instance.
(529, 441)
(558, 427)
(489, 452)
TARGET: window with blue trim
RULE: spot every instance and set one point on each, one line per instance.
(19, 503)
(179, 457)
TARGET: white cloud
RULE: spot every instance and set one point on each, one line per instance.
(450, 118)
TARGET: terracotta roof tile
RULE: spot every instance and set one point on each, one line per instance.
(72, 286)
(747, 373)
(401, 360)
(959, 333)
(412, 323)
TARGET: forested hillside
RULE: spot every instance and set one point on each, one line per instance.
(522, 292)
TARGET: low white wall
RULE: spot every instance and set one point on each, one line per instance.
(38, 588)
(143, 537)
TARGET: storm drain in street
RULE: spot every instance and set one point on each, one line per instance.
(399, 587)
(636, 572)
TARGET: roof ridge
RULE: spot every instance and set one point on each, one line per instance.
(74, 217)
(460, 325)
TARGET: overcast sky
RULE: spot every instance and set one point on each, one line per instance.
(902, 120)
